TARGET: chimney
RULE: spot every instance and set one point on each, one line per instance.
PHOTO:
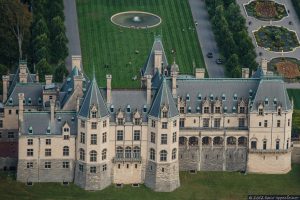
(48, 79)
(37, 78)
(23, 72)
(76, 62)
(5, 85)
(108, 88)
(78, 81)
(21, 108)
(245, 72)
(149, 86)
(52, 108)
(264, 65)
(200, 73)
(158, 60)
(174, 84)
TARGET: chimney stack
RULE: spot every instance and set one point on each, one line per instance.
(158, 61)
(21, 108)
(37, 78)
(52, 108)
(78, 81)
(48, 79)
(5, 85)
(149, 86)
(264, 65)
(174, 84)
(108, 88)
(245, 72)
(23, 72)
(200, 73)
(76, 62)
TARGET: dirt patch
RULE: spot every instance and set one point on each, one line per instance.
(266, 9)
(288, 69)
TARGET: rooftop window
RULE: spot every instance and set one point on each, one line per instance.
(10, 101)
(235, 97)
(199, 97)
(211, 97)
(223, 97)
(145, 108)
(48, 130)
(275, 101)
(266, 101)
(188, 97)
(112, 108)
(30, 130)
(225, 109)
(128, 109)
(29, 101)
(189, 109)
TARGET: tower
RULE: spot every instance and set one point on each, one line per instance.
(162, 170)
(93, 167)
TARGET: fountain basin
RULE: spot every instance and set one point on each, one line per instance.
(136, 19)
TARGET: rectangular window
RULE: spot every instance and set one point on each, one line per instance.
(17, 112)
(217, 110)
(205, 122)
(253, 144)
(66, 137)
(137, 121)
(259, 124)
(92, 169)
(264, 145)
(152, 138)
(94, 125)
(241, 122)
(217, 123)
(47, 152)
(0, 135)
(266, 123)
(9, 112)
(94, 114)
(104, 167)
(82, 124)
(174, 139)
(80, 167)
(10, 135)
(104, 124)
(181, 110)
(242, 110)
(278, 123)
(165, 114)
(1, 123)
(120, 135)
(29, 152)
(181, 122)
(30, 142)
(206, 109)
(277, 145)
(174, 123)
(82, 138)
(136, 135)
(120, 121)
(260, 111)
(164, 138)
(47, 165)
(289, 122)
(104, 137)
(66, 165)
(29, 165)
(164, 125)
(48, 141)
(93, 139)
(153, 123)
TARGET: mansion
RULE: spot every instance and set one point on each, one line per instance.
(77, 132)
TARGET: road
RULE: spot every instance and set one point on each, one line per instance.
(206, 38)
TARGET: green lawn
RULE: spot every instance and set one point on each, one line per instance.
(105, 43)
(204, 185)
(295, 94)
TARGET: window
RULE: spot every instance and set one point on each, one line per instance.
(94, 114)
(153, 123)
(104, 124)
(265, 123)
(128, 152)
(81, 154)
(205, 122)
(104, 137)
(47, 152)
(163, 156)
(253, 144)
(164, 138)
(9, 112)
(164, 125)
(48, 141)
(165, 114)
(82, 138)
(93, 169)
(217, 110)
(260, 111)
(0, 135)
(104, 167)
(152, 137)
(279, 111)
(264, 145)
(217, 122)
(17, 112)
(29, 152)
(242, 109)
(174, 138)
(289, 121)
(120, 121)
(29, 165)
(47, 165)
(66, 151)
(119, 152)
(94, 125)
(259, 124)
(10, 135)
(174, 123)
(66, 137)
(152, 154)
(80, 167)
(119, 135)
(82, 124)
(93, 156)
(277, 144)
(136, 135)
(181, 110)
(30, 142)
(174, 151)
(66, 130)
(206, 109)
(1, 123)
(181, 122)
(241, 122)
(136, 152)
(137, 121)
(93, 139)
(104, 152)
(66, 165)
(278, 123)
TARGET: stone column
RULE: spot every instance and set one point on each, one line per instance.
(5, 85)
(108, 88)
(200, 73)
(48, 79)
(174, 84)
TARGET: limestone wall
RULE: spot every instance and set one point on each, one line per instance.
(189, 158)
(128, 172)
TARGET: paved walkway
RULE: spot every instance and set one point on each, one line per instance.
(256, 24)
(72, 31)
(206, 38)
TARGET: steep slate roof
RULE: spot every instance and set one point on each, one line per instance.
(271, 89)
(93, 97)
(163, 97)
(148, 68)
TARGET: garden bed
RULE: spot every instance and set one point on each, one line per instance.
(266, 10)
(287, 67)
(278, 39)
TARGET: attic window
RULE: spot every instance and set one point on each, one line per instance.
(40, 101)
(94, 114)
(235, 97)
(225, 109)
(233, 108)
(48, 130)
(275, 101)
(73, 119)
(10, 101)
(30, 130)
(211, 97)
(59, 119)
(223, 97)
(189, 109)
(24, 101)
(250, 93)
(128, 109)
(70, 90)
(188, 97)
(68, 79)
(165, 114)
(29, 101)
(145, 108)
(198, 109)
(112, 108)
(266, 101)
(199, 97)
(66, 130)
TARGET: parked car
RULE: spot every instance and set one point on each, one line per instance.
(209, 55)
(219, 61)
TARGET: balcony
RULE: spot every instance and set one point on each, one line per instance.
(122, 159)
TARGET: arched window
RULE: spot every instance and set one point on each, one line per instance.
(104, 152)
(119, 152)
(128, 152)
(231, 141)
(65, 151)
(206, 140)
(182, 140)
(163, 155)
(242, 141)
(193, 141)
(93, 156)
(136, 152)
(253, 144)
(218, 141)
(152, 154)
(81, 155)
(174, 152)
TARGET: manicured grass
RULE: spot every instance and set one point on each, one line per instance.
(203, 185)
(105, 43)
(295, 94)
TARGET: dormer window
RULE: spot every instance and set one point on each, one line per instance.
(120, 121)
(40, 101)
(73, 119)
(206, 109)
(29, 101)
(48, 130)
(199, 97)
(94, 114)
(165, 114)
(233, 109)
(112, 109)
(145, 109)
(260, 111)
(223, 97)
(30, 131)
(128, 109)
(242, 109)
(198, 109)
(24, 101)
(188, 97)
(137, 121)
(59, 119)
(235, 97)
(279, 111)
(10, 101)
(211, 97)
(225, 109)
(275, 101)
(66, 130)
(217, 110)
(266, 101)
(250, 93)
(189, 109)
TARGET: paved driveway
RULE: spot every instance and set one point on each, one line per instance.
(206, 38)
(72, 31)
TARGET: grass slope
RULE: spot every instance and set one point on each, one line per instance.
(204, 185)
(105, 43)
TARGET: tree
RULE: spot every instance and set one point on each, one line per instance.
(236, 21)
(232, 63)
(17, 19)
(41, 47)
(59, 48)
(43, 69)
(60, 72)
(40, 27)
